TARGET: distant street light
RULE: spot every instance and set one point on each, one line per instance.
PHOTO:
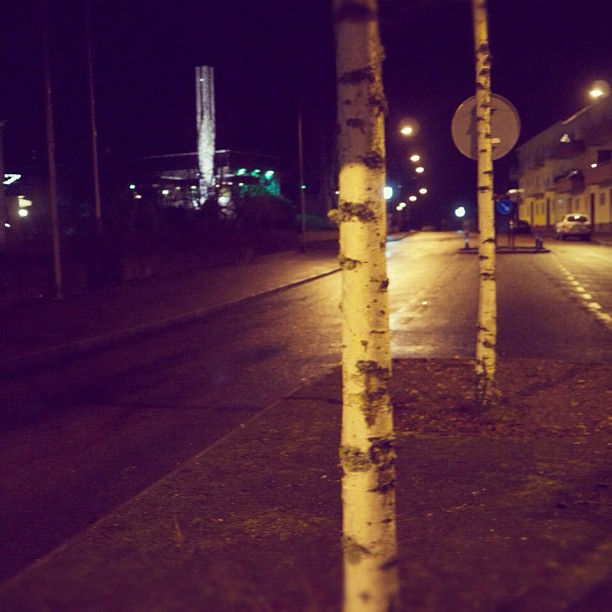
(599, 89)
(460, 212)
(409, 127)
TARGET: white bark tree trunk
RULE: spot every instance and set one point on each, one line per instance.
(367, 453)
(486, 393)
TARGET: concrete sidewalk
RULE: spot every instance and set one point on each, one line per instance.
(42, 329)
(485, 521)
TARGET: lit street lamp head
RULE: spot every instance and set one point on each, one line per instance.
(599, 89)
(409, 127)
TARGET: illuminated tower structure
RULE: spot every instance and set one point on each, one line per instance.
(205, 117)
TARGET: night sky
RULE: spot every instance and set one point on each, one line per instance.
(270, 56)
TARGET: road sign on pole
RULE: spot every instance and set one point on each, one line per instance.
(505, 207)
(505, 127)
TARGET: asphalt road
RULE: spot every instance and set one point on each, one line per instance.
(96, 429)
(542, 310)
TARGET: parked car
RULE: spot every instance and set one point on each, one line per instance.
(574, 225)
(522, 227)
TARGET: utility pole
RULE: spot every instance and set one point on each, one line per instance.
(3, 209)
(55, 226)
(301, 178)
(92, 109)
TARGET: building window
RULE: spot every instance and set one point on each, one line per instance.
(602, 198)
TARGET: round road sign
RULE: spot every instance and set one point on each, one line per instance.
(505, 207)
(505, 127)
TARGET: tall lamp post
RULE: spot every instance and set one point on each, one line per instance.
(2, 207)
(55, 228)
(301, 178)
(92, 108)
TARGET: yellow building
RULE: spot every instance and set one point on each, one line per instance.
(567, 168)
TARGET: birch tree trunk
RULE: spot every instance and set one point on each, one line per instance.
(486, 392)
(367, 453)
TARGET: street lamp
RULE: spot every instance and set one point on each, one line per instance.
(301, 178)
(599, 89)
(409, 127)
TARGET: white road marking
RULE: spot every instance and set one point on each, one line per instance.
(589, 301)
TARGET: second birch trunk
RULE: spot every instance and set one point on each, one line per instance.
(486, 393)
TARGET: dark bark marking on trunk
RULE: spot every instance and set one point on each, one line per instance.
(358, 124)
(353, 550)
(374, 160)
(354, 460)
(348, 211)
(356, 77)
(346, 263)
(375, 387)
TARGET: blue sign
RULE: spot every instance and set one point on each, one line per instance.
(505, 207)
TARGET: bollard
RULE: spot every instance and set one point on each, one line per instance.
(539, 241)
(466, 241)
